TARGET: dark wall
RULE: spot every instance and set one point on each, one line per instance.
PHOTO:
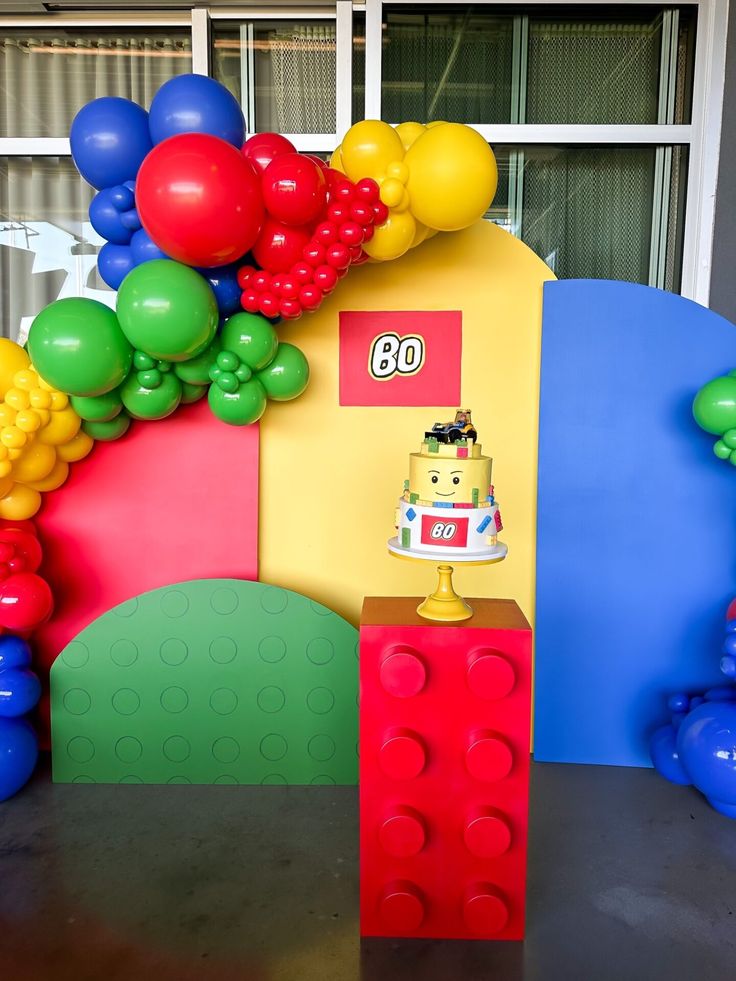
(723, 273)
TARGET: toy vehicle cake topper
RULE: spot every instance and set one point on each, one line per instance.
(450, 432)
(448, 512)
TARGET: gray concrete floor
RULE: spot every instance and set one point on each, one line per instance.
(629, 878)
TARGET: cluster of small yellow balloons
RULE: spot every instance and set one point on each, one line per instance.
(441, 177)
(40, 435)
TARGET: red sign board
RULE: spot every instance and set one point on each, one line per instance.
(400, 357)
(441, 530)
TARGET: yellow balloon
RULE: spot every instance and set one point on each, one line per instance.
(452, 177)
(54, 479)
(62, 426)
(20, 503)
(393, 238)
(336, 161)
(368, 148)
(12, 358)
(35, 463)
(76, 449)
(420, 235)
(408, 132)
(6, 485)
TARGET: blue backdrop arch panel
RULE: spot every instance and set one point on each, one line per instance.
(636, 537)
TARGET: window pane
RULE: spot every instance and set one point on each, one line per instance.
(49, 75)
(48, 249)
(588, 211)
(454, 66)
(282, 73)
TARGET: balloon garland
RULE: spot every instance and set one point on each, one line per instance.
(210, 240)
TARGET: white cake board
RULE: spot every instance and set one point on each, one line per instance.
(447, 556)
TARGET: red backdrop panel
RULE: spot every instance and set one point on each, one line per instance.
(172, 500)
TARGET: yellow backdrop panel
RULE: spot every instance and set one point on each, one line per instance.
(331, 475)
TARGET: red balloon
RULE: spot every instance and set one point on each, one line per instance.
(249, 300)
(303, 272)
(278, 247)
(20, 549)
(199, 200)
(338, 256)
(326, 278)
(268, 305)
(310, 296)
(25, 601)
(262, 148)
(290, 308)
(322, 164)
(294, 189)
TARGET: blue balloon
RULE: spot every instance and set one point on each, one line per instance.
(143, 248)
(663, 751)
(20, 690)
(706, 745)
(196, 104)
(224, 283)
(109, 139)
(114, 263)
(14, 652)
(106, 215)
(18, 755)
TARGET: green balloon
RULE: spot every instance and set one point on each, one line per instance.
(167, 310)
(77, 346)
(721, 450)
(97, 408)
(192, 393)
(714, 407)
(107, 431)
(239, 408)
(197, 370)
(287, 375)
(251, 337)
(151, 403)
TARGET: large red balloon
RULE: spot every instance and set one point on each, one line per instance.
(199, 200)
(262, 148)
(294, 189)
(25, 601)
(279, 246)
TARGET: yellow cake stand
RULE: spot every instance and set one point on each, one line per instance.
(444, 604)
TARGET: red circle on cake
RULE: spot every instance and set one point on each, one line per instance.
(487, 834)
(402, 833)
(402, 673)
(488, 757)
(402, 755)
(490, 675)
(485, 911)
(401, 907)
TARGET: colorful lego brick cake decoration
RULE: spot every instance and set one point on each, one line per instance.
(448, 509)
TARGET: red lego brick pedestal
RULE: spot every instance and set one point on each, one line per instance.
(444, 771)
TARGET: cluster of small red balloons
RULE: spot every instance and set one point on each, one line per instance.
(315, 225)
(25, 597)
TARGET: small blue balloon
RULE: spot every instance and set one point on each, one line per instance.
(114, 263)
(106, 216)
(678, 702)
(663, 750)
(224, 283)
(130, 220)
(143, 248)
(109, 139)
(731, 626)
(20, 691)
(706, 745)
(728, 666)
(18, 755)
(721, 693)
(122, 196)
(14, 652)
(729, 644)
(196, 104)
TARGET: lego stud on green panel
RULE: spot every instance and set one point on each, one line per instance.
(77, 346)
(167, 310)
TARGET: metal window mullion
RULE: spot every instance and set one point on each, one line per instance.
(663, 154)
(247, 76)
(200, 41)
(519, 63)
(344, 67)
(373, 58)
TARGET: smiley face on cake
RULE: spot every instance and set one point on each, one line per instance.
(448, 509)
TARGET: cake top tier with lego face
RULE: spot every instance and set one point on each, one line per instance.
(450, 466)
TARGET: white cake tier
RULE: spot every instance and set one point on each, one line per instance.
(456, 534)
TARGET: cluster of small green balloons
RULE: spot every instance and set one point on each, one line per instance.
(714, 409)
(162, 349)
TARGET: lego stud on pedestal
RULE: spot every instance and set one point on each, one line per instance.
(486, 833)
(402, 833)
(401, 908)
(402, 673)
(444, 604)
(488, 757)
(402, 755)
(485, 910)
(490, 675)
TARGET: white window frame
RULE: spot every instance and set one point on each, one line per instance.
(701, 136)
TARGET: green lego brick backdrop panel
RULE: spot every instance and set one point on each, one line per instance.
(209, 681)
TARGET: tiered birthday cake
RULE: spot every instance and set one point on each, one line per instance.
(448, 510)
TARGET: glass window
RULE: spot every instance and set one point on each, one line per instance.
(48, 249)
(282, 73)
(592, 212)
(50, 74)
